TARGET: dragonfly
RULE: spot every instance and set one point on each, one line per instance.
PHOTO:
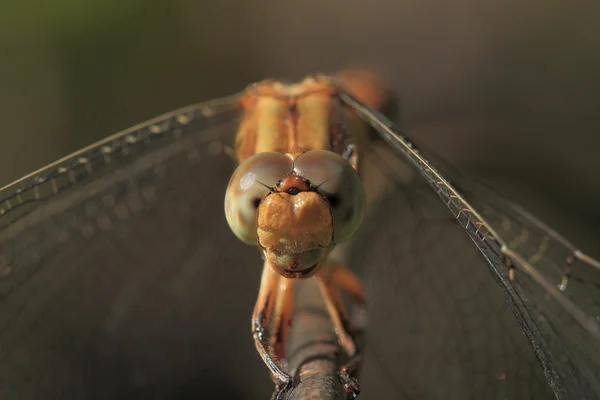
(122, 249)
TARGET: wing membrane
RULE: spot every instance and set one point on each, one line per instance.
(439, 325)
(110, 280)
(555, 293)
(53, 178)
(120, 251)
(571, 327)
(43, 193)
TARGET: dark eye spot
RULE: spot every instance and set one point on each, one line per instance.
(334, 200)
(256, 202)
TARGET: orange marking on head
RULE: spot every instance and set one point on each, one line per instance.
(292, 181)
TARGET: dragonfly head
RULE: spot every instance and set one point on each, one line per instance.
(295, 208)
(295, 231)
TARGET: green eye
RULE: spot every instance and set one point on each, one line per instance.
(248, 186)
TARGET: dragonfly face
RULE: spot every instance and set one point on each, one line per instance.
(295, 207)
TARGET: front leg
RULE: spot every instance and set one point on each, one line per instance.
(271, 315)
(282, 315)
(338, 274)
(331, 278)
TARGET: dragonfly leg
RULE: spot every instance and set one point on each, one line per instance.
(270, 325)
(348, 282)
(343, 328)
(282, 315)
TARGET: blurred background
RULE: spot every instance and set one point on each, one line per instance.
(506, 90)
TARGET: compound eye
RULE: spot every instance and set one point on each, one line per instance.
(339, 183)
(251, 182)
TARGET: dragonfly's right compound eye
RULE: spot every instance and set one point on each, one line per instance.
(251, 182)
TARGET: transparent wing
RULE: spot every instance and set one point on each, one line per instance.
(121, 279)
(555, 292)
(119, 275)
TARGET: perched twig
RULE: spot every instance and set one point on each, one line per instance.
(314, 355)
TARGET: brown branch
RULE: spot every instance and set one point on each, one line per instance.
(314, 355)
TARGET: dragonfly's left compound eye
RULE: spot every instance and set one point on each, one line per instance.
(340, 184)
(250, 184)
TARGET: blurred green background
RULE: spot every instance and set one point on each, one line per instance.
(506, 90)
